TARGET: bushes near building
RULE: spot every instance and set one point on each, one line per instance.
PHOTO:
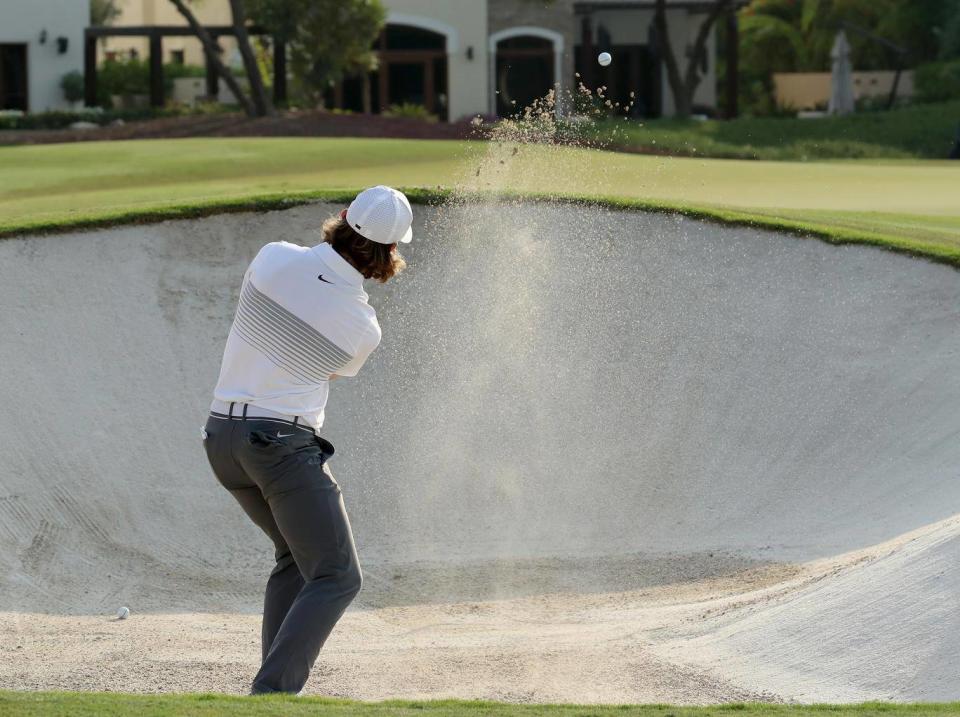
(938, 81)
(131, 77)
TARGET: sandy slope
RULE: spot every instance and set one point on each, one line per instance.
(598, 457)
(883, 628)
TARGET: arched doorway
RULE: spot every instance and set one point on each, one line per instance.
(525, 65)
(413, 70)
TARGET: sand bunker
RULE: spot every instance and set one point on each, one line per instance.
(599, 456)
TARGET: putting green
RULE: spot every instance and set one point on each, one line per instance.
(910, 205)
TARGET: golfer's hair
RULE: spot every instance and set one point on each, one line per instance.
(372, 259)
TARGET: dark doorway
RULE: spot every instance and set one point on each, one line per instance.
(413, 68)
(413, 71)
(407, 82)
(524, 72)
(13, 77)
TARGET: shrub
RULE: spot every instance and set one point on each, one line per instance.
(410, 111)
(937, 81)
(47, 120)
(173, 70)
(132, 77)
(122, 77)
(72, 86)
(61, 120)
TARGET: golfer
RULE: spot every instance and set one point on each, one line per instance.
(302, 321)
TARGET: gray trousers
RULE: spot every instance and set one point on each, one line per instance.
(277, 472)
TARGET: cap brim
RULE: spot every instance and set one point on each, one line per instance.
(408, 236)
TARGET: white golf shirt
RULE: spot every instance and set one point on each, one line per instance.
(303, 316)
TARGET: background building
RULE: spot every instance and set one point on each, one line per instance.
(432, 54)
(461, 58)
(40, 42)
(466, 57)
(626, 31)
(181, 50)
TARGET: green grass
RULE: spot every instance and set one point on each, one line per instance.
(909, 206)
(82, 704)
(917, 131)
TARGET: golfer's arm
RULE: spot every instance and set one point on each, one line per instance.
(333, 377)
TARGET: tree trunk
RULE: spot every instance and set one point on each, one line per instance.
(683, 104)
(683, 87)
(700, 45)
(210, 48)
(261, 101)
(677, 87)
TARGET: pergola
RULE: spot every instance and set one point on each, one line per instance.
(156, 33)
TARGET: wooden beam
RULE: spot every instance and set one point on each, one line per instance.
(428, 88)
(733, 65)
(384, 85)
(212, 77)
(90, 71)
(587, 71)
(279, 72)
(156, 70)
(165, 31)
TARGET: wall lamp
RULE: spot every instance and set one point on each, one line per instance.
(62, 44)
(470, 52)
(43, 36)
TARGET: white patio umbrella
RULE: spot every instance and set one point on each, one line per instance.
(841, 78)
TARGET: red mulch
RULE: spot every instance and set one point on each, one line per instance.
(287, 124)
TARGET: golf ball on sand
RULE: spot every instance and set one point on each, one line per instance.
(123, 613)
(604, 58)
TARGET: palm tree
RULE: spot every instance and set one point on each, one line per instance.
(796, 35)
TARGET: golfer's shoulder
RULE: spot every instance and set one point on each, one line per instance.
(279, 249)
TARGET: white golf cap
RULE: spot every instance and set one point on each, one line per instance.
(381, 214)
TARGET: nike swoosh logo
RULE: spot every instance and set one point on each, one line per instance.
(284, 435)
(326, 281)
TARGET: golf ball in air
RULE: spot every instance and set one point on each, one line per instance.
(123, 613)
(604, 58)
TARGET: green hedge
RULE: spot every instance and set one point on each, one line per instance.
(938, 81)
(63, 119)
(410, 111)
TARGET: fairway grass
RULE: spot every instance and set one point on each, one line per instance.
(84, 704)
(908, 206)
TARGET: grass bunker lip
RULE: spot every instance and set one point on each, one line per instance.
(418, 195)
